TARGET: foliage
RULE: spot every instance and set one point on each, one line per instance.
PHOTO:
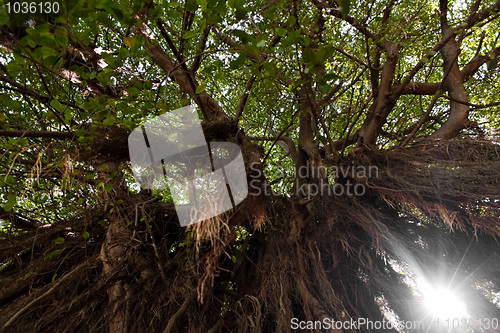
(410, 88)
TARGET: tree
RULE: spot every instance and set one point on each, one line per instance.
(369, 134)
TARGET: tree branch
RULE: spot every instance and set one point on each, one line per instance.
(179, 313)
(244, 98)
(453, 81)
(473, 65)
(384, 102)
(45, 294)
(201, 48)
(209, 107)
(349, 19)
(36, 134)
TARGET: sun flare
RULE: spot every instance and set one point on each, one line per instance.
(442, 303)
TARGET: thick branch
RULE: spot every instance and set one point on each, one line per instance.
(477, 62)
(430, 88)
(209, 107)
(459, 111)
(416, 88)
(383, 104)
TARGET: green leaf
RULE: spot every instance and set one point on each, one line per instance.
(344, 7)
(10, 180)
(11, 201)
(128, 123)
(238, 62)
(201, 88)
(116, 12)
(203, 24)
(190, 34)
(254, 50)
(68, 114)
(130, 41)
(54, 277)
(261, 43)
(304, 41)
(53, 253)
(59, 240)
(281, 32)
(80, 132)
(108, 187)
(42, 28)
(4, 17)
(326, 88)
(48, 41)
(202, 4)
(13, 104)
(123, 54)
(214, 19)
(191, 5)
(86, 235)
(56, 105)
(23, 142)
(242, 35)
(110, 121)
(307, 55)
(331, 76)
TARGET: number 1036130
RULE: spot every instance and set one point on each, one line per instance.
(32, 7)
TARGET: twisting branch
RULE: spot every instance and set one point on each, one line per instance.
(453, 82)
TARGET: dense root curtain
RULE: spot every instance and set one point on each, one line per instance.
(272, 259)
